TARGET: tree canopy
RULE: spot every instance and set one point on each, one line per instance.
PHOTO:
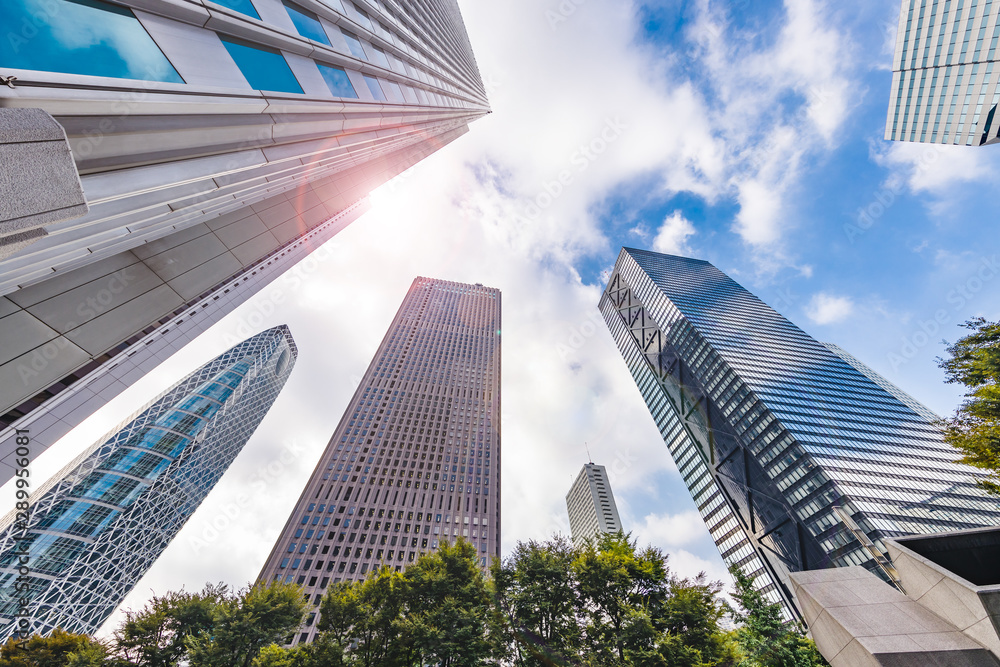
(604, 603)
(974, 361)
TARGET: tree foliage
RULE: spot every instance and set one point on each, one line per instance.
(765, 639)
(974, 430)
(604, 603)
(59, 649)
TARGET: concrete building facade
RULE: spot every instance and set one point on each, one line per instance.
(796, 457)
(590, 504)
(61, 411)
(945, 75)
(188, 140)
(416, 457)
(93, 530)
(949, 614)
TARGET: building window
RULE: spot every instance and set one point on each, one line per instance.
(358, 51)
(376, 89)
(337, 81)
(307, 23)
(241, 6)
(116, 44)
(264, 69)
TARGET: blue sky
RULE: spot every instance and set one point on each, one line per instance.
(745, 133)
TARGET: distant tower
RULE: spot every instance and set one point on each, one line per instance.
(98, 525)
(591, 504)
(415, 459)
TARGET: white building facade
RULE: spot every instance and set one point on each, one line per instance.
(591, 504)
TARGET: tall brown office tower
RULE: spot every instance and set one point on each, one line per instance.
(416, 456)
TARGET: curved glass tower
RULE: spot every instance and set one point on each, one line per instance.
(96, 527)
(798, 456)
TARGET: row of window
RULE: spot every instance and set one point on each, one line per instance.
(120, 47)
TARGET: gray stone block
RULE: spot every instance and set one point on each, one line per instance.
(859, 620)
(39, 182)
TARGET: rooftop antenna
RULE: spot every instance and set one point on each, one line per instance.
(588, 452)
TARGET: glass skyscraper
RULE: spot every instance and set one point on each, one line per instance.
(416, 456)
(798, 456)
(944, 80)
(96, 527)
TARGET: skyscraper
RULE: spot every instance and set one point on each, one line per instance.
(179, 144)
(591, 504)
(798, 458)
(99, 524)
(416, 456)
(944, 80)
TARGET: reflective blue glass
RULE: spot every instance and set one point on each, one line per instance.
(791, 432)
(103, 529)
(263, 69)
(241, 6)
(337, 81)
(87, 37)
(307, 23)
(363, 19)
(354, 44)
(376, 89)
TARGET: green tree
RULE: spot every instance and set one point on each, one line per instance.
(245, 623)
(59, 649)
(447, 610)
(157, 635)
(765, 638)
(620, 590)
(690, 623)
(324, 652)
(537, 600)
(367, 613)
(975, 428)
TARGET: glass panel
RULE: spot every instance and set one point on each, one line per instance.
(338, 82)
(87, 37)
(363, 18)
(375, 88)
(394, 91)
(241, 6)
(264, 70)
(379, 57)
(307, 24)
(354, 44)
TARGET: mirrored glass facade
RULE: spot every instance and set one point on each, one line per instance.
(797, 457)
(95, 528)
(944, 81)
(416, 457)
(80, 37)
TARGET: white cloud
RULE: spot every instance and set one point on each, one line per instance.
(671, 530)
(826, 308)
(673, 235)
(934, 168)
